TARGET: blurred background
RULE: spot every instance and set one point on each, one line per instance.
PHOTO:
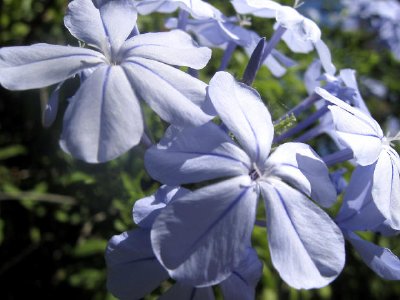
(57, 213)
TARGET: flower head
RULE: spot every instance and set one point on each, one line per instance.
(104, 118)
(202, 236)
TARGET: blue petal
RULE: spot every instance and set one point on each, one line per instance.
(202, 237)
(242, 111)
(381, 260)
(386, 187)
(174, 95)
(51, 109)
(264, 9)
(195, 154)
(306, 246)
(301, 167)
(241, 285)
(106, 26)
(132, 269)
(358, 211)
(103, 120)
(355, 129)
(40, 65)
(147, 209)
(174, 48)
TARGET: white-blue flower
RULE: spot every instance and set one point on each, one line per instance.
(201, 237)
(104, 118)
(378, 175)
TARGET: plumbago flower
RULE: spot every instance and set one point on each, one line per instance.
(201, 237)
(104, 118)
(299, 33)
(375, 184)
(133, 269)
(210, 33)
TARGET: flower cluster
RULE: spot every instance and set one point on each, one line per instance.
(222, 141)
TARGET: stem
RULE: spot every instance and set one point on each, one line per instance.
(182, 19)
(273, 42)
(302, 125)
(310, 134)
(338, 157)
(227, 55)
(299, 108)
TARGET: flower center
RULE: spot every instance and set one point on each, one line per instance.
(255, 172)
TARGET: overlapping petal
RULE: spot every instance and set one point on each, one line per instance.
(381, 260)
(132, 269)
(197, 8)
(259, 8)
(201, 238)
(242, 283)
(355, 129)
(298, 165)
(147, 209)
(164, 46)
(242, 111)
(103, 119)
(386, 186)
(40, 65)
(106, 26)
(306, 246)
(196, 154)
(174, 95)
(358, 211)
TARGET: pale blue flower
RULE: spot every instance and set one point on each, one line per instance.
(301, 34)
(201, 237)
(378, 173)
(104, 118)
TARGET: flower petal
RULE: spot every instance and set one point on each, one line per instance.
(381, 260)
(175, 96)
(132, 269)
(241, 285)
(147, 209)
(195, 154)
(386, 186)
(258, 8)
(51, 109)
(107, 25)
(301, 167)
(175, 48)
(325, 56)
(103, 120)
(242, 111)
(358, 211)
(202, 237)
(40, 65)
(355, 129)
(306, 246)
(197, 8)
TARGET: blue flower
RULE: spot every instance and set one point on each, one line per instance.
(201, 237)
(300, 34)
(104, 118)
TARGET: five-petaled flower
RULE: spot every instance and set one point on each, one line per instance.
(201, 237)
(104, 118)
